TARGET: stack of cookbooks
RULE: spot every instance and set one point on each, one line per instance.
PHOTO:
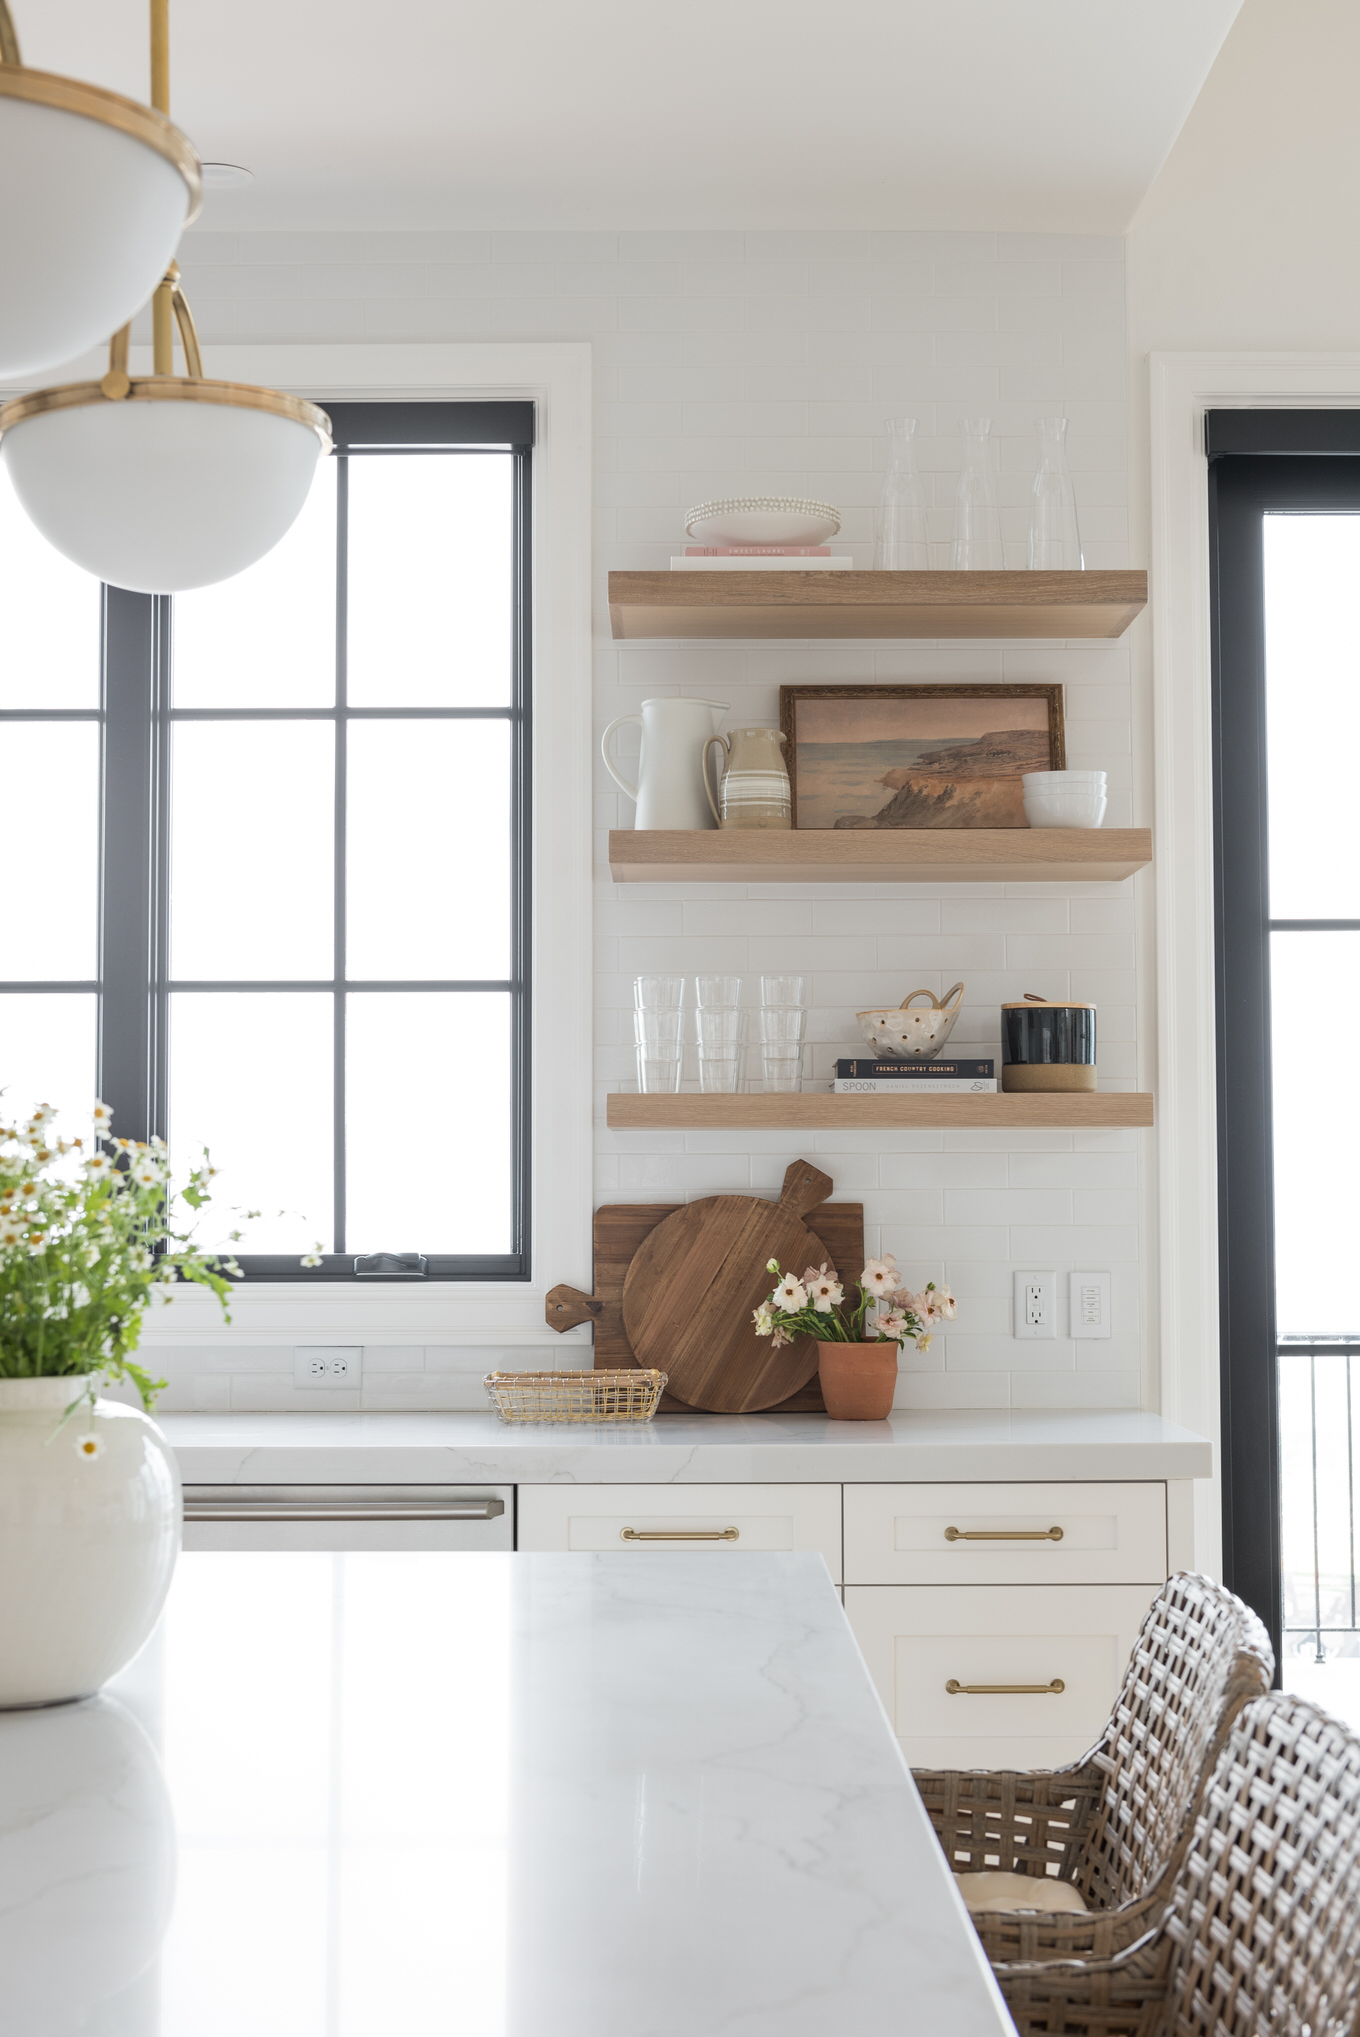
(759, 558)
(915, 1078)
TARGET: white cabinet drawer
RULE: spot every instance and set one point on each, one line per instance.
(918, 1639)
(688, 1517)
(986, 1534)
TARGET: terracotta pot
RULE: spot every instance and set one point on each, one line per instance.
(858, 1380)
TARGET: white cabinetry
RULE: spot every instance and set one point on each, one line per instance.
(996, 1620)
(1005, 1534)
(919, 1639)
(724, 1518)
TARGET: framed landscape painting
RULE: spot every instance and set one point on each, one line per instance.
(917, 756)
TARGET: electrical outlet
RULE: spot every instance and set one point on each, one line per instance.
(327, 1364)
(1035, 1304)
(1090, 1304)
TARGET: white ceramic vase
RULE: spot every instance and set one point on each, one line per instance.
(88, 1542)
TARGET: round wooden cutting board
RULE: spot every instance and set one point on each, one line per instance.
(693, 1285)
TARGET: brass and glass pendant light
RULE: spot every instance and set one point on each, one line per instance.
(95, 192)
(162, 482)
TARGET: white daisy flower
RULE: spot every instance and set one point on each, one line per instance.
(11, 1230)
(825, 1291)
(102, 1115)
(145, 1174)
(98, 1163)
(880, 1276)
(313, 1258)
(89, 1445)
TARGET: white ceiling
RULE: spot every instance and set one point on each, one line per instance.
(1007, 114)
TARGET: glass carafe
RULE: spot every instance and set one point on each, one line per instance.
(900, 545)
(977, 507)
(1054, 539)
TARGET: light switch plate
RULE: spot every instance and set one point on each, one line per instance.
(327, 1364)
(1091, 1309)
(1036, 1304)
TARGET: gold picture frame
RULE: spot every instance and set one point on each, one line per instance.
(917, 756)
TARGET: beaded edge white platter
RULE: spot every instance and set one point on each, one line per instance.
(762, 520)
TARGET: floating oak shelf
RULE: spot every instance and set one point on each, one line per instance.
(821, 1110)
(879, 856)
(816, 604)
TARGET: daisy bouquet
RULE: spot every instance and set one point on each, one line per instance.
(89, 1238)
(816, 1306)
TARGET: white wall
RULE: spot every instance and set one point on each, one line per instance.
(1247, 243)
(767, 361)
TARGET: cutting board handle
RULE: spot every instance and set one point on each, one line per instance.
(804, 1187)
(565, 1307)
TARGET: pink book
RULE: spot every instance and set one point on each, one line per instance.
(757, 551)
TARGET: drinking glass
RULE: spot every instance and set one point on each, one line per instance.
(977, 507)
(1054, 539)
(781, 990)
(718, 1073)
(658, 993)
(718, 993)
(901, 540)
(659, 1042)
(781, 1036)
(719, 1031)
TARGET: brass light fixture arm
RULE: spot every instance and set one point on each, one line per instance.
(117, 383)
(9, 41)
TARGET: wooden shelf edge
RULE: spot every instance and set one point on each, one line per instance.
(1094, 605)
(821, 1110)
(897, 856)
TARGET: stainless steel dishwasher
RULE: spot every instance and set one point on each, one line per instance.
(345, 1517)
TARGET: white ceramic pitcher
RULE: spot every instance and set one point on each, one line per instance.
(672, 790)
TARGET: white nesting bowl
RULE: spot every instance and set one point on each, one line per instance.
(1077, 806)
(762, 520)
(1056, 780)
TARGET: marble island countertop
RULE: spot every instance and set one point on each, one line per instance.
(680, 1449)
(509, 1796)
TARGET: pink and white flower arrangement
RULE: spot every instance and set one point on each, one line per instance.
(816, 1306)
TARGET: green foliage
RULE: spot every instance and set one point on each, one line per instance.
(81, 1259)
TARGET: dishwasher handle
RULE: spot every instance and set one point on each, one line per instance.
(256, 1503)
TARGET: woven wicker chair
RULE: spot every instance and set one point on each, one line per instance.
(1114, 1825)
(1262, 1938)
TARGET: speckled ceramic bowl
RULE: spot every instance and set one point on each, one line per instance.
(909, 1035)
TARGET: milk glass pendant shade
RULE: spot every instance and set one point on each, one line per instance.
(96, 193)
(163, 482)
(180, 483)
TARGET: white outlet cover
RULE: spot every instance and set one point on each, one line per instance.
(1036, 1304)
(323, 1366)
(1091, 1304)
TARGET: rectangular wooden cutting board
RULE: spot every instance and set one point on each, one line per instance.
(621, 1227)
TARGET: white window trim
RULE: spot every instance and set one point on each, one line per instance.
(557, 379)
(1183, 388)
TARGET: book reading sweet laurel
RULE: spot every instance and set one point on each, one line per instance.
(918, 1071)
(867, 1085)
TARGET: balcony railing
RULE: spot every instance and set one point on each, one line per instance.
(1319, 1388)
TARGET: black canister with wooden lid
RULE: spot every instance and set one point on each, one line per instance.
(1048, 1044)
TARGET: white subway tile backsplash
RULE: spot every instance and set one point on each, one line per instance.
(767, 361)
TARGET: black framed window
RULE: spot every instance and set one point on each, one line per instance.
(296, 915)
(1284, 498)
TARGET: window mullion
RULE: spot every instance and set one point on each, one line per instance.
(341, 792)
(132, 914)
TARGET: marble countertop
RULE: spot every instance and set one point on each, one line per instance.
(679, 1449)
(508, 1796)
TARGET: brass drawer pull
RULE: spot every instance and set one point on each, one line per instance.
(957, 1689)
(679, 1534)
(1003, 1534)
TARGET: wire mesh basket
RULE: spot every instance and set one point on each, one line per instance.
(627, 1396)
